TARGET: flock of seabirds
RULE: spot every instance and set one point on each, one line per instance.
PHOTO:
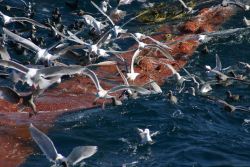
(48, 70)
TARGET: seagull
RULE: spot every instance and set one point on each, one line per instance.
(117, 14)
(94, 49)
(180, 79)
(105, 5)
(102, 93)
(142, 45)
(42, 77)
(8, 19)
(14, 97)
(47, 146)
(41, 54)
(146, 136)
(116, 29)
(92, 22)
(218, 66)
(173, 99)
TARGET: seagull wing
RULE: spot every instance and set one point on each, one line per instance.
(122, 75)
(155, 133)
(80, 153)
(21, 40)
(163, 51)
(155, 86)
(137, 52)
(9, 94)
(218, 66)
(93, 77)
(44, 142)
(103, 63)
(141, 133)
(4, 53)
(139, 130)
(76, 39)
(45, 83)
(123, 87)
(60, 70)
(171, 68)
(25, 19)
(183, 4)
(13, 65)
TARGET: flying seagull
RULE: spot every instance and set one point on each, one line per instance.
(157, 46)
(42, 77)
(47, 146)
(102, 93)
(41, 54)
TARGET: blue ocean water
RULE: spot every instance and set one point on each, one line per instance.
(195, 132)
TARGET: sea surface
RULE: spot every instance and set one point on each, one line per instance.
(195, 132)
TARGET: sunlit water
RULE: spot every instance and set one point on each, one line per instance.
(195, 132)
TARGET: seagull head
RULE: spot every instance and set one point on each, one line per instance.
(208, 67)
(141, 45)
(93, 49)
(132, 76)
(139, 36)
(247, 7)
(202, 38)
(61, 160)
(206, 88)
(102, 53)
(146, 131)
(101, 93)
(6, 19)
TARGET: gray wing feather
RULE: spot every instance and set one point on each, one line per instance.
(21, 40)
(93, 77)
(44, 142)
(19, 19)
(136, 88)
(11, 64)
(100, 10)
(80, 153)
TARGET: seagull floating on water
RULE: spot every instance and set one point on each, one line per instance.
(146, 136)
